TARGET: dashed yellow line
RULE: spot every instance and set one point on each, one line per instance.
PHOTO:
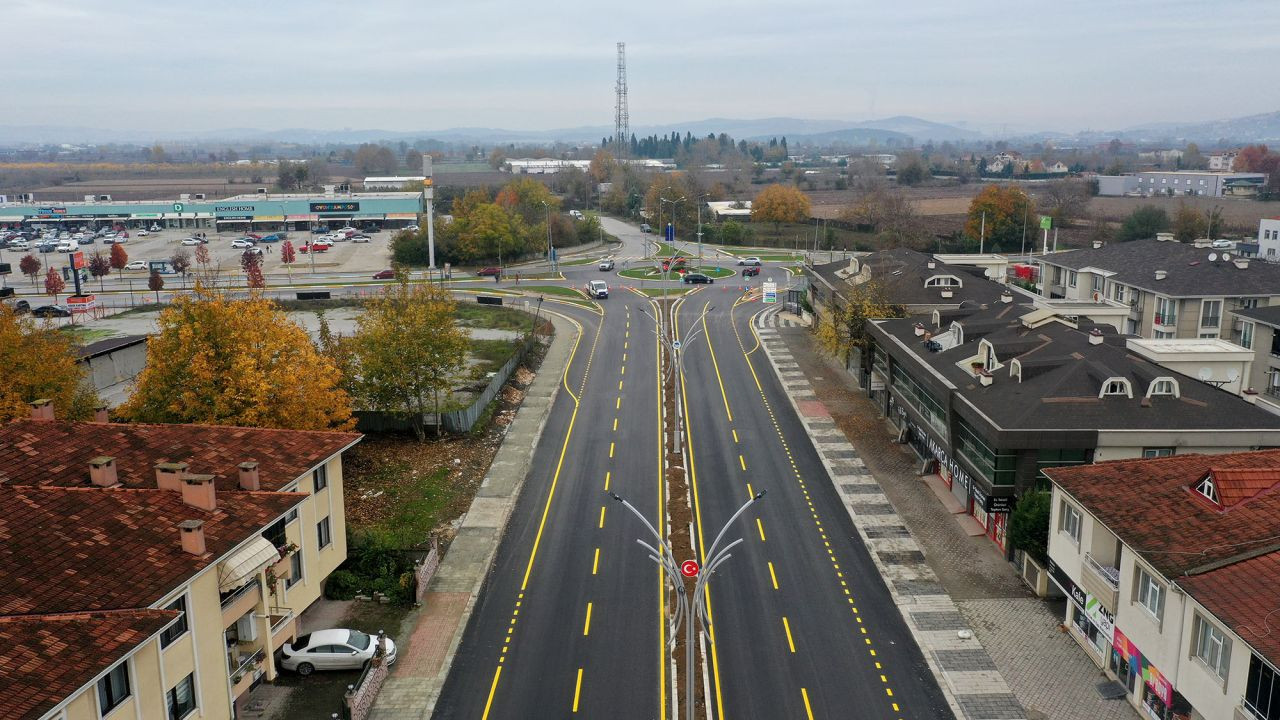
(750, 493)
(607, 474)
(787, 627)
(735, 435)
(760, 527)
(577, 690)
(610, 449)
(601, 516)
(808, 711)
(615, 424)
(772, 575)
(618, 405)
(742, 462)
(586, 626)
(595, 565)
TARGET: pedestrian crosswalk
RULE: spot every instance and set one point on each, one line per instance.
(777, 318)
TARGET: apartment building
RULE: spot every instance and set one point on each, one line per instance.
(1173, 290)
(1259, 332)
(171, 562)
(1269, 239)
(1172, 574)
(1223, 162)
(1190, 182)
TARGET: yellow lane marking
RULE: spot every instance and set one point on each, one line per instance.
(735, 435)
(760, 527)
(607, 475)
(610, 449)
(601, 516)
(586, 627)
(664, 657)
(750, 493)
(492, 689)
(787, 626)
(624, 370)
(615, 424)
(577, 690)
(618, 405)
(619, 384)
(808, 711)
(715, 365)
(624, 357)
(595, 565)
(742, 462)
(772, 574)
(624, 344)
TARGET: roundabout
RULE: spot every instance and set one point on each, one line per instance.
(652, 273)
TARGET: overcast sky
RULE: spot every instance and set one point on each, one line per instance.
(430, 65)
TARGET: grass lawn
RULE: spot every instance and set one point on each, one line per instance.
(553, 290)
(666, 250)
(82, 335)
(491, 354)
(495, 317)
(649, 273)
(578, 261)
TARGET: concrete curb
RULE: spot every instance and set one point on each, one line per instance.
(973, 686)
(470, 557)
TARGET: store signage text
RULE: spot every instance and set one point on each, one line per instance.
(335, 207)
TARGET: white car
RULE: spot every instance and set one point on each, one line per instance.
(19, 245)
(242, 243)
(749, 261)
(136, 265)
(190, 241)
(155, 228)
(143, 232)
(66, 246)
(332, 650)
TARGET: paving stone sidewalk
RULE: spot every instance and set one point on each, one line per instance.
(1020, 664)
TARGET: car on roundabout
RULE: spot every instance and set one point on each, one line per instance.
(755, 261)
(695, 278)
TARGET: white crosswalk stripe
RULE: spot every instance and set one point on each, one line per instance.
(775, 318)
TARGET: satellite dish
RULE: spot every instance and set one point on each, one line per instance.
(1233, 374)
(1226, 256)
(1204, 374)
(1213, 257)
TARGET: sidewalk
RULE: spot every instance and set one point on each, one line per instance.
(1043, 667)
(425, 657)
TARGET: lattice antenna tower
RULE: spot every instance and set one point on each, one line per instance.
(621, 118)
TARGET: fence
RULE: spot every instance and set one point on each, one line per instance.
(358, 700)
(461, 421)
(426, 570)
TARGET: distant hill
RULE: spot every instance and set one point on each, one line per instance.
(1264, 128)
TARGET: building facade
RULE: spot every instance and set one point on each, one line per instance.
(1269, 239)
(1189, 182)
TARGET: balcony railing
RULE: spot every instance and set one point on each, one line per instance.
(1108, 573)
(248, 587)
(1166, 319)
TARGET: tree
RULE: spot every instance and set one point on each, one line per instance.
(407, 350)
(1252, 158)
(99, 267)
(525, 197)
(1144, 222)
(1064, 200)
(53, 283)
(119, 258)
(251, 263)
(1188, 223)
(155, 284)
(39, 363)
(372, 159)
(1192, 159)
(486, 233)
(891, 214)
(220, 361)
(30, 266)
(846, 329)
(780, 204)
(288, 256)
(912, 170)
(1029, 525)
(181, 262)
(1001, 210)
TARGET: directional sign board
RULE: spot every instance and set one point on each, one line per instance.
(770, 292)
(689, 568)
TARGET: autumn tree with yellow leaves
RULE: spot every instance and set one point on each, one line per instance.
(780, 204)
(846, 328)
(221, 361)
(39, 363)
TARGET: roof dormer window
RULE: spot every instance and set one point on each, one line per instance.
(1116, 386)
(1164, 386)
(1209, 490)
(942, 281)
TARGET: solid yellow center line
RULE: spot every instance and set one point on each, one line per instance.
(610, 449)
(601, 516)
(577, 690)
(595, 564)
(586, 627)
(607, 475)
(772, 574)
(759, 526)
(492, 689)
(808, 711)
(787, 626)
(742, 462)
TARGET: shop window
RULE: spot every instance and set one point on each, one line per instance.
(1086, 628)
(1150, 594)
(1069, 522)
(1212, 647)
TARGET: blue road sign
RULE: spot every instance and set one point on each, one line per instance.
(670, 232)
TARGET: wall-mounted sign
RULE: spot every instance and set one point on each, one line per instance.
(328, 207)
(233, 208)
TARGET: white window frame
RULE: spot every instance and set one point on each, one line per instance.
(1211, 647)
(320, 478)
(1168, 384)
(133, 687)
(1072, 278)
(1148, 591)
(1070, 521)
(1205, 304)
(1247, 329)
(1116, 386)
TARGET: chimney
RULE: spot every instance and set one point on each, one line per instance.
(102, 472)
(1095, 337)
(198, 491)
(169, 475)
(1162, 274)
(1097, 244)
(1242, 263)
(932, 265)
(100, 414)
(1006, 297)
(947, 292)
(1250, 396)
(42, 409)
(986, 378)
(249, 475)
(192, 536)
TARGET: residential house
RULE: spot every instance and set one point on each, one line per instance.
(174, 562)
(730, 210)
(1269, 239)
(1174, 290)
(1057, 168)
(1223, 161)
(1258, 330)
(1172, 571)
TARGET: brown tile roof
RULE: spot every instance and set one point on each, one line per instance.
(46, 658)
(58, 453)
(89, 549)
(1235, 485)
(1245, 597)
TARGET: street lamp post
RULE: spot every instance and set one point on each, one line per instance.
(551, 250)
(676, 350)
(687, 608)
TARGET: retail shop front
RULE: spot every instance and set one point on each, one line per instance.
(1094, 628)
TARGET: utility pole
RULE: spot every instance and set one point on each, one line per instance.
(429, 195)
(982, 234)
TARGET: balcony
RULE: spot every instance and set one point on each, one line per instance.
(1101, 580)
(240, 602)
(283, 627)
(246, 668)
(1165, 319)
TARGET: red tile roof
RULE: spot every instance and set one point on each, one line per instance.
(1245, 597)
(90, 549)
(58, 453)
(1235, 485)
(1151, 506)
(46, 658)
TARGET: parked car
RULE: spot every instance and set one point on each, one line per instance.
(576, 214)
(155, 228)
(338, 649)
(751, 271)
(21, 307)
(384, 275)
(47, 311)
(696, 279)
(136, 265)
(272, 238)
(489, 272)
(597, 289)
(255, 250)
(317, 247)
(412, 228)
(189, 241)
(319, 230)
(86, 240)
(66, 246)
(143, 232)
(241, 243)
(606, 264)
(18, 244)
(322, 241)
(749, 261)
(359, 238)
(1221, 243)
(254, 236)
(46, 247)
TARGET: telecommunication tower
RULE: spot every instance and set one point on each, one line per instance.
(621, 120)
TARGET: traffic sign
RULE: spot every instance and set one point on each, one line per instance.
(675, 344)
(770, 292)
(689, 568)
(177, 207)
(670, 232)
(1046, 222)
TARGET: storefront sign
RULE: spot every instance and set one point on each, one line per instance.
(1097, 614)
(233, 208)
(81, 303)
(329, 207)
(946, 464)
(999, 503)
(222, 218)
(1157, 683)
(48, 211)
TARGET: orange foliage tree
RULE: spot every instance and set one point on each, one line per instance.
(1004, 209)
(780, 204)
(39, 363)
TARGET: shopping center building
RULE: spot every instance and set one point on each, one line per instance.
(239, 213)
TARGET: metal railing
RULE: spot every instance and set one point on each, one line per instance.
(248, 588)
(1108, 573)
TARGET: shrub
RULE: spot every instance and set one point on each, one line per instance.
(341, 585)
(1029, 525)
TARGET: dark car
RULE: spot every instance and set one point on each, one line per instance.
(489, 272)
(696, 278)
(21, 307)
(51, 311)
(751, 271)
(384, 275)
